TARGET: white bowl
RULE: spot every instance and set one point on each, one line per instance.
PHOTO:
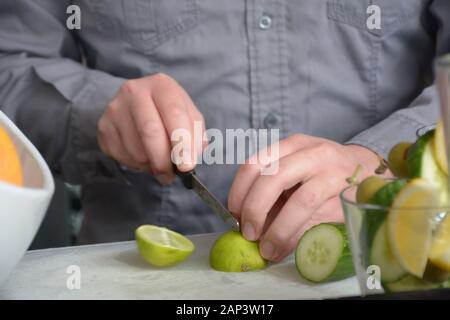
(22, 209)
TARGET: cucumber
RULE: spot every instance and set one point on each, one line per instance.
(382, 256)
(374, 218)
(421, 163)
(409, 283)
(323, 254)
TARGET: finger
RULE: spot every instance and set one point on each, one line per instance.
(200, 141)
(295, 168)
(153, 135)
(330, 211)
(279, 204)
(173, 110)
(126, 128)
(294, 214)
(249, 172)
(113, 146)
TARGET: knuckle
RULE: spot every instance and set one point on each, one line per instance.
(298, 137)
(162, 80)
(161, 76)
(304, 199)
(326, 150)
(130, 87)
(150, 129)
(249, 168)
(176, 110)
(113, 110)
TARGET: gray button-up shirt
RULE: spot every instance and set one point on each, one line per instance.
(303, 66)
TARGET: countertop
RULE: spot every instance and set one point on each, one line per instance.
(116, 271)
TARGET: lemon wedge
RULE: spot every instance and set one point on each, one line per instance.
(410, 222)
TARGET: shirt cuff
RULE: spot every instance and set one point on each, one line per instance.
(387, 133)
(86, 109)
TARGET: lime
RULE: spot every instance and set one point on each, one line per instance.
(439, 147)
(162, 247)
(410, 222)
(233, 253)
(368, 188)
(397, 159)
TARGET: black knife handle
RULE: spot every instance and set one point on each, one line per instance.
(186, 177)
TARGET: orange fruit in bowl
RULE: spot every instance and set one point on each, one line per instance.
(10, 166)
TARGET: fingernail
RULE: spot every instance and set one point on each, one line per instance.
(186, 163)
(267, 250)
(249, 232)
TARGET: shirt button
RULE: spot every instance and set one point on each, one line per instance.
(270, 121)
(265, 22)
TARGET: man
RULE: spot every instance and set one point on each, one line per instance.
(338, 89)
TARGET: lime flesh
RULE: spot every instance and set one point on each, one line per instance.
(162, 247)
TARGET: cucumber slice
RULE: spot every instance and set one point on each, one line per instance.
(409, 283)
(323, 254)
(382, 256)
(421, 163)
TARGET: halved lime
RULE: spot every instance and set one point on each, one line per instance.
(162, 247)
(409, 224)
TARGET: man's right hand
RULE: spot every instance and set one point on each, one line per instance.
(136, 127)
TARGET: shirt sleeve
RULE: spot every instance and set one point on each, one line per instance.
(424, 111)
(45, 89)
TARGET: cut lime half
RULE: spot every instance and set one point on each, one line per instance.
(162, 247)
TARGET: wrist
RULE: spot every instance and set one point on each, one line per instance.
(368, 158)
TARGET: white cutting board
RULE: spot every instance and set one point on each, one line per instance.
(116, 271)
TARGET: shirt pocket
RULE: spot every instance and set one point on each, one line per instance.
(147, 24)
(393, 13)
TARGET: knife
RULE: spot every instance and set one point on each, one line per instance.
(192, 182)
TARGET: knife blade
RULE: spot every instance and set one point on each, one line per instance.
(192, 182)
